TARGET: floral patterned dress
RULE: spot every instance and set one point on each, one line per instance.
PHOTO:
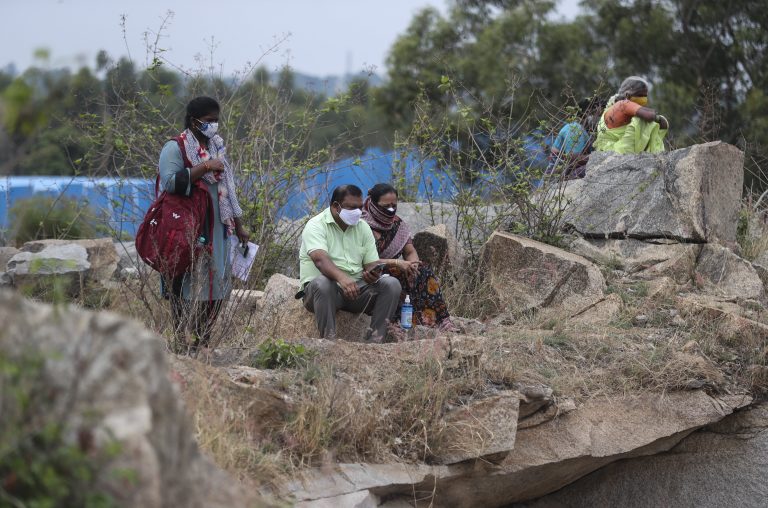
(429, 307)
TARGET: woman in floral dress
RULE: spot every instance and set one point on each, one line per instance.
(395, 246)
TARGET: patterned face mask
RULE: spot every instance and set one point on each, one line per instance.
(209, 129)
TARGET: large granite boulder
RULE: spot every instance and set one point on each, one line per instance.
(60, 267)
(103, 380)
(282, 316)
(724, 464)
(524, 275)
(692, 194)
(102, 255)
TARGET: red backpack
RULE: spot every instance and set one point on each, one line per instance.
(172, 235)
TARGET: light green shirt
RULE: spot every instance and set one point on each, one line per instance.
(349, 250)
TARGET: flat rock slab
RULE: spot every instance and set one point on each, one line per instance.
(691, 194)
(53, 268)
(524, 274)
(102, 254)
(42, 265)
(725, 464)
(732, 319)
(546, 457)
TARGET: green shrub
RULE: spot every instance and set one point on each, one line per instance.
(42, 217)
(276, 354)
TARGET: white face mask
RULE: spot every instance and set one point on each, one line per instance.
(350, 217)
(209, 129)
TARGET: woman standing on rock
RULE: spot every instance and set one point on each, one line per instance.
(196, 297)
(396, 250)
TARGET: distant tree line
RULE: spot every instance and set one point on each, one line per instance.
(707, 62)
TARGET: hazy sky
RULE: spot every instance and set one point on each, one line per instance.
(318, 37)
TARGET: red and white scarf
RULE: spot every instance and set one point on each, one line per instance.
(229, 208)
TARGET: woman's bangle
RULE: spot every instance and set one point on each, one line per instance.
(205, 165)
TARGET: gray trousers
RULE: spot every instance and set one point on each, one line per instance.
(324, 297)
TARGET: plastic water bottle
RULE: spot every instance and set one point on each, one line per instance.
(406, 314)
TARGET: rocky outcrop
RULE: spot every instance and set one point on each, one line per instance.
(107, 384)
(73, 263)
(732, 319)
(723, 464)
(729, 275)
(66, 266)
(478, 429)
(102, 255)
(545, 458)
(644, 259)
(438, 248)
(6, 253)
(484, 220)
(129, 263)
(283, 316)
(246, 300)
(525, 275)
(692, 195)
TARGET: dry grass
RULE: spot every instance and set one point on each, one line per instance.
(466, 294)
(360, 402)
(226, 425)
(752, 229)
(384, 403)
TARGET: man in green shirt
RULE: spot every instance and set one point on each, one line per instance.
(338, 265)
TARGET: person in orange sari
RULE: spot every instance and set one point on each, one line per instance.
(396, 250)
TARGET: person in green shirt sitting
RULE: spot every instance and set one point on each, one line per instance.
(340, 268)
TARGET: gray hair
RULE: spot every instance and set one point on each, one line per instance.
(632, 86)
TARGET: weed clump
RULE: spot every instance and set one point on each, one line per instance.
(279, 354)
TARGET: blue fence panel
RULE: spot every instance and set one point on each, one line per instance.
(121, 203)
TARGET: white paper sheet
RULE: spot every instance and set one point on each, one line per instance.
(241, 265)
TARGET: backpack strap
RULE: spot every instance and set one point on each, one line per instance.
(187, 163)
(180, 141)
